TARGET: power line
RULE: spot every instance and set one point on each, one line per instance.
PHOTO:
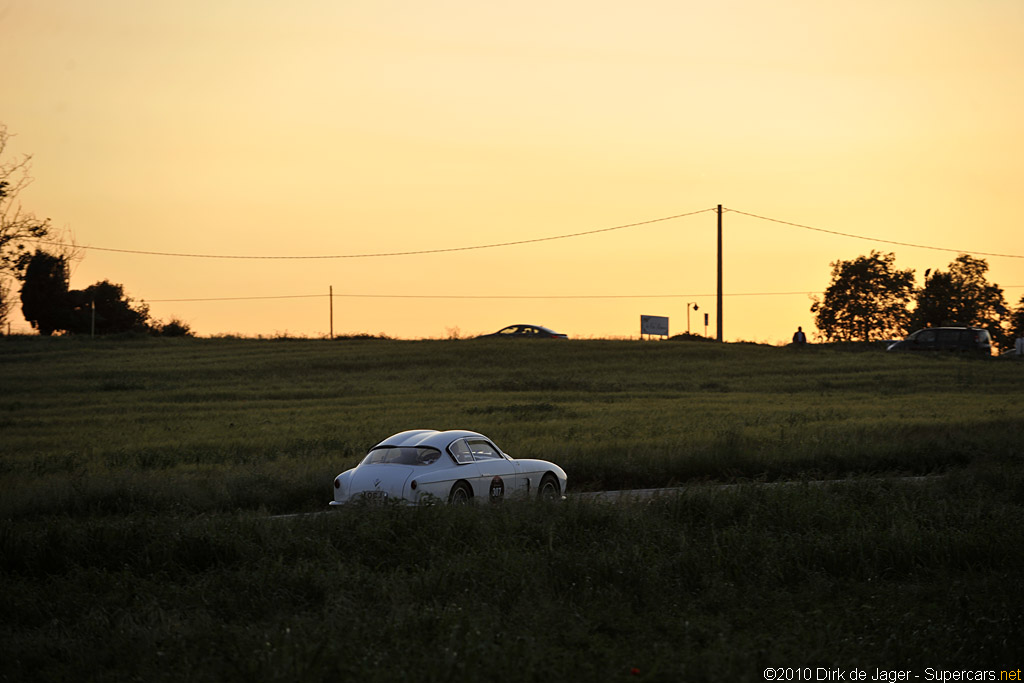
(526, 241)
(243, 298)
(873, 239)
(475, 296)
(395, 253)
(494, 296)
(511, 243)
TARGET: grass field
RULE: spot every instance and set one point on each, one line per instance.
(139, 476)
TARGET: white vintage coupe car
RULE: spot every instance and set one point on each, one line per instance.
(424, 466)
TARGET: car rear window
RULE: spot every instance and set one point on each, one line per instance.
(393, 455)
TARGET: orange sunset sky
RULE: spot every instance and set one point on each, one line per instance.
(347, 127)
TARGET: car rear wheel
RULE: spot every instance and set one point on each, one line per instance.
(460, 494)
(548, 489)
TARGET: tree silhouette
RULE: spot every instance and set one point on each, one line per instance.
(962, 295)
(1015, 323)
(105, 309)
(44, 292)
(867, 299)
(174, 327)
(50, 307)
(16, 226)
(6, 301)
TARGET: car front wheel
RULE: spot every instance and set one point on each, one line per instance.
(548, 489)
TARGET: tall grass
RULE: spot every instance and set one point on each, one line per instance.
(714, 585)
(219, 425)
(137, 477)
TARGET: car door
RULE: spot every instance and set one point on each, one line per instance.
(948, 340)
(926, 340)
(497, 474)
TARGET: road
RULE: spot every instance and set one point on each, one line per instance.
(643, 494)
(632, 495)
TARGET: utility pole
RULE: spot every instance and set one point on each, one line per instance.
(92, 325)
(330, 294)
(719, 272)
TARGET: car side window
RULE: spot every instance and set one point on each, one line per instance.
(482, 450)
(460, 451)
(927, 337)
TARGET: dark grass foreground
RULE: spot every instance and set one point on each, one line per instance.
(137, 478)
(708, 586)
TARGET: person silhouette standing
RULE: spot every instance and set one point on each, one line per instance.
(799, 337)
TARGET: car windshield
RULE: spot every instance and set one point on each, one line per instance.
(392, 455)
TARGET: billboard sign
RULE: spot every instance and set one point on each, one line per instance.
(654, 324)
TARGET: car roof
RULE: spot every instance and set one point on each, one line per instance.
(430, 438)
(952, 327)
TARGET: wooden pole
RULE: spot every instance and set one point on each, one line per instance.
(330, 294)
(719, 272)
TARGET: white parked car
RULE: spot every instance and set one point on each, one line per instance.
(424, 466)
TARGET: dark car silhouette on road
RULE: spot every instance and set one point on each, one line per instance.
(524, 332)
(966, 339)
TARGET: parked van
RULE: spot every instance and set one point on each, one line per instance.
(972, 339)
